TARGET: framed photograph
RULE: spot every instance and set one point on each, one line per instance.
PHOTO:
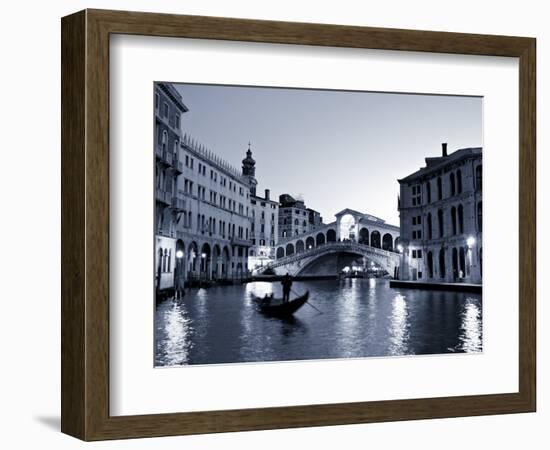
(273, 225)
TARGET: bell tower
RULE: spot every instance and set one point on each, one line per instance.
(249, 170)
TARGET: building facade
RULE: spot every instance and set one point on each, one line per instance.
(295, 219)
(264, 229)
(441, 219)
(169, 108)
(202, 205)
(213, 228)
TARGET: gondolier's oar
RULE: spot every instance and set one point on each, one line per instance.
(307, 302)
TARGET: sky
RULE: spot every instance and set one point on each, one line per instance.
(335, 149)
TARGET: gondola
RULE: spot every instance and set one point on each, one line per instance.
(276, 308)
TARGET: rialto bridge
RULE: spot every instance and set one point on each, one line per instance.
(321, 252)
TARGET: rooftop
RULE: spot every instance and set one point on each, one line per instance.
(434, 164)
(206, 154)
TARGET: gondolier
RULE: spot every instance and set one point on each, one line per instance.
(277, 308)
(287, 286)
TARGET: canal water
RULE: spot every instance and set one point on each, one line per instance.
(361, 318)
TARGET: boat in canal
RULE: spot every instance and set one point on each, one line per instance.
(275, 307)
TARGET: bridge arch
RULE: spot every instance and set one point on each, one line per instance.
(333, 257)
(387, 242)
(280, 253)
(320, 239)
(328, 258)
(289, 249)
(375, 239)
(347, 226)
(331, 235)
(364, 236)
(299, 246)
(310, 242)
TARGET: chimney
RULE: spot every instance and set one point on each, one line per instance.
(444, 149)
(267, 194)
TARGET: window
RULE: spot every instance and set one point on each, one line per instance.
(453, 219)
(165, 109)
(460, 219)
(440, 222)
(430, 234)
(414, 253)
(178, 121)
(416, 195)
(458, 181)
(479, 217)
(157, 100)
(479, 178)
(453, 183)
(439, 189)
(164, 140)
(419, 253)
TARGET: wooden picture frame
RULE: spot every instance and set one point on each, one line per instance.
(85, 224)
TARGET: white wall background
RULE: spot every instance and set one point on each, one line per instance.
(30, 225)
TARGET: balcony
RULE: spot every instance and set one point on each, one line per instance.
(177, 203)
(163, 155)
(163, 196)
(177, 165)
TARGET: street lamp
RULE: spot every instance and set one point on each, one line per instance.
(470, 242)
(178, 273)
(399, 248)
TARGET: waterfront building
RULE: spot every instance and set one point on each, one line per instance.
(441, 218)
(202, 205)
(295, 219)
(264, 229)
(169, 108)
(264, 214)
(213, 228)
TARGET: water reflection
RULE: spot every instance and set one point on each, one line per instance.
(177, 332)
(360, 318)
(471, 329)
(398, 332)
